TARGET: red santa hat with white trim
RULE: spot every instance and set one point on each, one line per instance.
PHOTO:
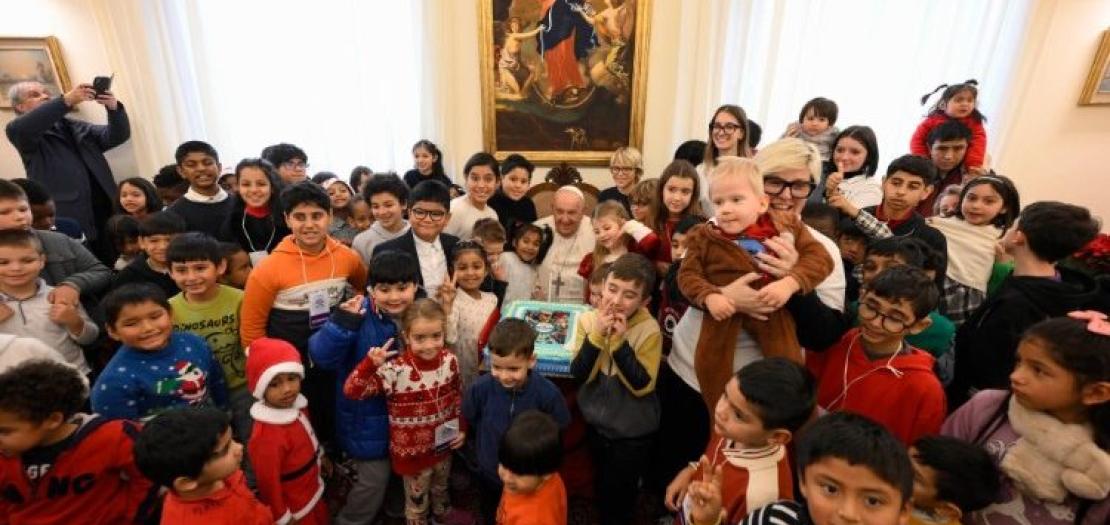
(266, 358)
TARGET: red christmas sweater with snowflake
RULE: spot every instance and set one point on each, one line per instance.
(421, 395)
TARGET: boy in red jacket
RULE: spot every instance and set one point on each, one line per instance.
(190, 450)
(61, 466)
(873, 372)
(283, 444)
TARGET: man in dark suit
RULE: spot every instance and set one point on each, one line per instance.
(429, 211)
(67, 156)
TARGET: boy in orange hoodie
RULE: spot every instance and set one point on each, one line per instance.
(290, 294)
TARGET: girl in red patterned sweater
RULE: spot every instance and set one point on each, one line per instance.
(421, 387)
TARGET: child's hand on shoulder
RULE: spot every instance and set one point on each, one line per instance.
(705, 495)
(459, 441)
(777, 293)
(499, 272)
(719, 306)
(378, 355)
(353, 305)
(5, 312)
(792, 130)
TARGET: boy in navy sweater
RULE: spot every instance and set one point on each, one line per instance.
(206, 205)
(495, 399)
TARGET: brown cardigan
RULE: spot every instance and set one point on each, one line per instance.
(712, 262)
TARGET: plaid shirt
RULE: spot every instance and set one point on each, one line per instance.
(872, 227)
(958, 301)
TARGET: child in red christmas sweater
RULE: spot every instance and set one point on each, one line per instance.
(421, 386)
(873, 372)
(283, 446)
(58, 465)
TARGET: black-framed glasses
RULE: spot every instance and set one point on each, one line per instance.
(622, 169)
(727, 127)
(774, 187)
(421, 213)
(295, 165)
(868, 311)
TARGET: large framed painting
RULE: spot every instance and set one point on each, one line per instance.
(31, 59)
(1097, 89)
(563, 80)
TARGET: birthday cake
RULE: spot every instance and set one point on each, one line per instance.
(555, 324)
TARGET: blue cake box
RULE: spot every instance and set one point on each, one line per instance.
(555, 325)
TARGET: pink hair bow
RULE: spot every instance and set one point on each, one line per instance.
(1096, 321)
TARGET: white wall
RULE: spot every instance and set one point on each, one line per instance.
(71, 21)
(1056, 149)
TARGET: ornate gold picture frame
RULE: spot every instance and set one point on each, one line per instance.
(1096, 91)
(31, 59)
(563, 80)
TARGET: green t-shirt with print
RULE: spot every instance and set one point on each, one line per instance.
(217, 322)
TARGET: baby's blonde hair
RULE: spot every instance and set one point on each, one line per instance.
(729, 166)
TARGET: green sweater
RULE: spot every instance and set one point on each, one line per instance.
(217, 322)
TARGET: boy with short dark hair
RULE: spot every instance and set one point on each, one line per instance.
(1039, 288)
(511, 201)
(948, 144)
(952, 479)
(238, 265)
(290, 294)
(191, 452)
(24, 306)
(73, 270)
(387, 196)
(873, 371)
(155, 367)
(429, 211)
(206, 205)
(482, 179)
(211, 310)
(529, 457)
(618, 350)
(170, 185)
(495, 399)
(84, 459)
(908, 182)
(850, 469)
(155, 233)
(358, 325)
(763, 406)
(290, 161)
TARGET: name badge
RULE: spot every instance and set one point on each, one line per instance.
(446, 433)
(318, 308)
(256, 257)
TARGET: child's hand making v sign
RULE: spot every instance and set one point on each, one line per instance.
(354, 305)
(704, 495)
(446, 293)
(379, 355)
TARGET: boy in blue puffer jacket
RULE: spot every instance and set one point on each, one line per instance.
(495, 399)
(358, 325)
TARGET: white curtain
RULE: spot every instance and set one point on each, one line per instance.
(875, 58)
(342, 79)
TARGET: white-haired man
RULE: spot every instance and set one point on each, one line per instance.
(558, 279)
